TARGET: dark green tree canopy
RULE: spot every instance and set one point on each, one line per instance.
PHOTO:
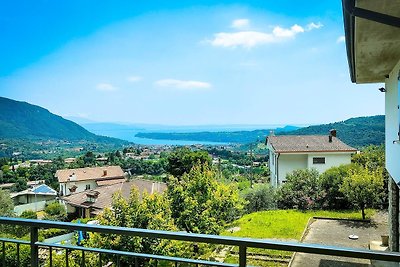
(183, 159)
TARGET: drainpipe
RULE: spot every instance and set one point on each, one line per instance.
(277, 169)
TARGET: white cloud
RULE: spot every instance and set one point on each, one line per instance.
(312, 26)
(341, 39)
(240, 23)
(249, 39)
(182, 84)
(134, 78)
(106, 87)
(279, 32)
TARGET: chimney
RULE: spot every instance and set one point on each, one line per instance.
(104, 172)
(333, 132)
(330, 138)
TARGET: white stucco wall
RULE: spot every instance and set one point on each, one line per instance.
(81, 186)
(392, 123)
(272, 167)
(287, 163)
(331, 160)
(290, 162)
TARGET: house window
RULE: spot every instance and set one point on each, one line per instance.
(318, 160)
(88, 187)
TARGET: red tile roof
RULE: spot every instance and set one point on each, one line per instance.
(94, 173)
(105, 193)
(307, 143)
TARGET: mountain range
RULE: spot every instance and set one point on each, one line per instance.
(21, 120)
(356, 132)
(24, 121)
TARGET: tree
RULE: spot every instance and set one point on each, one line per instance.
(55, 211)
(183, 159)
(363, 188)
(153, 212)
(89, 159)
(373, 158)
(300, 191)
(330, 182)
(200, 204)
(261, 197)
(20, 231)
(7, 205)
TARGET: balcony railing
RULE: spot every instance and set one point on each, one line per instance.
(242, 243)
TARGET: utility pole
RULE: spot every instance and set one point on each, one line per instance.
(251, 166)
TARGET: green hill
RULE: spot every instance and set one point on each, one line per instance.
(356, 132)
(21, 120)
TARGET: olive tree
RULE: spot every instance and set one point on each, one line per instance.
(363, 188)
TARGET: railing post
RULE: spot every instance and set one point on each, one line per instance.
(34, 247)
(242, 256)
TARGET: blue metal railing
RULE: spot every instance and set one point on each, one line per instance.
(242, 243)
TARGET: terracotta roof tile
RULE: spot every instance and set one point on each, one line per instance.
(109, 182)
(307, 143)
(94, 173)
(105, 193)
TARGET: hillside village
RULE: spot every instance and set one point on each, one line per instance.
(221, 133)
(85, 188)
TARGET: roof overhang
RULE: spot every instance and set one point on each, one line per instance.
(372, 31)
(316, 151)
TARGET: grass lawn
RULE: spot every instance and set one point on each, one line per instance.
(40, 214)
(281, 224)
(284, 224)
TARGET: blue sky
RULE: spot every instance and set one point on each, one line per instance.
(182, 63)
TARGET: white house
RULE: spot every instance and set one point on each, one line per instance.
(293, 152)
(372, 31)
(36, 194)
(79, 180)
(34, 198)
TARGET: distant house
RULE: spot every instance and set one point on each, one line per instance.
(35, 194)
(70, 160)
(90, 203)
(6, 186)
(321, 152)
(79, 180)
(40, 161)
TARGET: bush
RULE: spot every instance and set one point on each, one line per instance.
(331, 181)
(55, 211)
(28, 214)
(261, 197)
(301, 190)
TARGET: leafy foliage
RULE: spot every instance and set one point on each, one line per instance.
(330, 182)
(363, 188)
(261, 197)
(7, 205)
(183, 159)
(301, 190)
(153, 212)
(200, 204)
(55, 211)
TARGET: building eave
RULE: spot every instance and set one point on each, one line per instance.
(372, 34)
(315, 151)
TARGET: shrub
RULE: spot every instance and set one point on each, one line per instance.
(261, 197)
(55, 211)
(330, 182)
(301, 190)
